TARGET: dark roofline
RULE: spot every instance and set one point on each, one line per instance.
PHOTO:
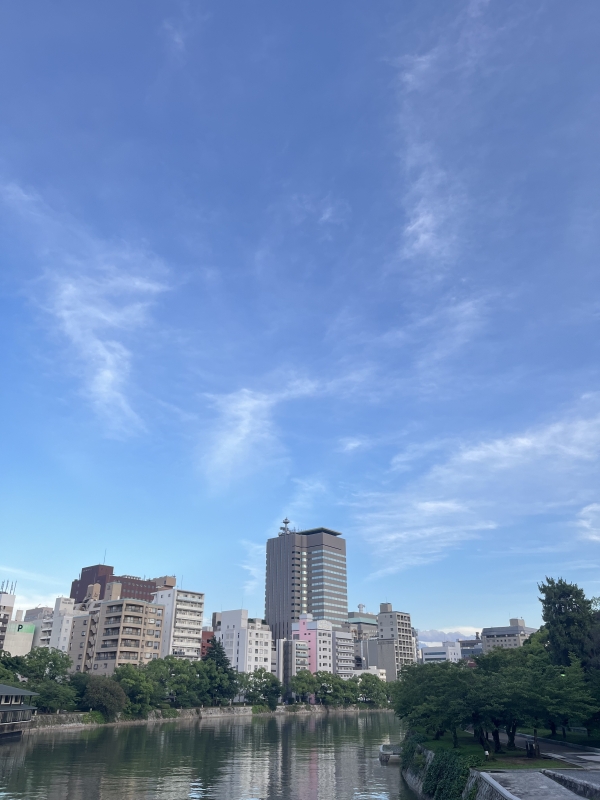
(4, 689)
(318, 530)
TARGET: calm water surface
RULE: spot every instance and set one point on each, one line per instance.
(295, 758)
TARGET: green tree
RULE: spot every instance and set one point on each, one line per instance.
(104, 695)
(7, 675)
(43, 663)
(437, 697)
(140, 689)
(262, 688)
(303, 684)
(53, 696)
(216, 653)
(569, 619)
(223, 680)
(351, 691)
(78, 681)
(372, 690)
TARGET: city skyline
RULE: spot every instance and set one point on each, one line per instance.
(332, 263)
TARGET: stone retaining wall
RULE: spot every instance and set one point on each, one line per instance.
(77, 719)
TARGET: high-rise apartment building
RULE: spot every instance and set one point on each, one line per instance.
(131, 586)
(396, 642)
(115, 632)
(306, 574)
(247, 640)
(182, 629)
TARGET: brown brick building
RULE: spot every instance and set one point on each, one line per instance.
(131, 586)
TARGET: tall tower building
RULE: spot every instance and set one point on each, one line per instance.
(306, 574)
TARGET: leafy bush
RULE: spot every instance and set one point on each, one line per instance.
(169, 713)
(104, 695)
(447, 775)
(260, 709)
(409, 749)
(95, 717)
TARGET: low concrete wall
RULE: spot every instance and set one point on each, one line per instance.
(486, 788)
(581, 787)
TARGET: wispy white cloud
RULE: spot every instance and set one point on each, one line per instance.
(589, 521)
(97, 294)
(322, 210)
(434, 93)
(254, 565)
(489, 485)
(307, 491)
(92, 312)
(434, 204)
(245, 437)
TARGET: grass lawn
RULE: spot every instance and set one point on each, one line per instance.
(511, 759)
(574, 738)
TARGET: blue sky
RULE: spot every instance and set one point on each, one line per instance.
(332, 261)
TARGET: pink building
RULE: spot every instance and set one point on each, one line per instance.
(318, 634)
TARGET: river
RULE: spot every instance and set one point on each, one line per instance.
(297, 757)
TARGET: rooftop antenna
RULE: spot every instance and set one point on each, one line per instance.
(104, 561)
(284, 528)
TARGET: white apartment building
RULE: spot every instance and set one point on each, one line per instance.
(396, 643)
(182, 631)
(447, 651)
(53, 630)
(343, 653)
(515, 635)
(247, 641)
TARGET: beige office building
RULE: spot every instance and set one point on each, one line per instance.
(514, 635)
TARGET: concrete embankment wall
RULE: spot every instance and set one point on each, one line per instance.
(79, 719)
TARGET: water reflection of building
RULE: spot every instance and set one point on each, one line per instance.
(308, 757)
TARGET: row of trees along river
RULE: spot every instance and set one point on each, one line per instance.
(169, 684)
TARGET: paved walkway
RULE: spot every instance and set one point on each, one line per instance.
(532, 785)
(579, 758)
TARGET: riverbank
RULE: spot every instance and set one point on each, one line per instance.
(83, 720)
(445, 774)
